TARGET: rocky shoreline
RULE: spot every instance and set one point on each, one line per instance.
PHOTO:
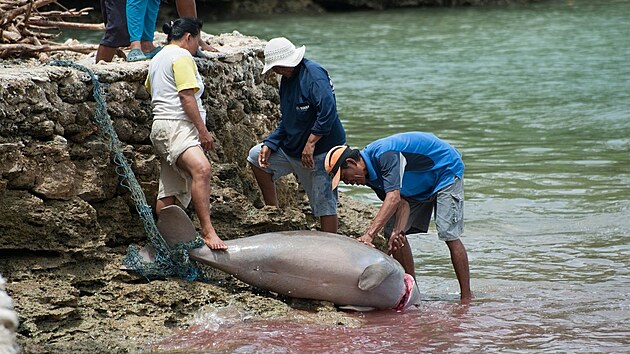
(239, 9)
(66, 222)
(221, 9)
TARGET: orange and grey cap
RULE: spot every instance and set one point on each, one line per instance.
(334, 159)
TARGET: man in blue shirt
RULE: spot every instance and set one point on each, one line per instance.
(413, 173)
(309, 127)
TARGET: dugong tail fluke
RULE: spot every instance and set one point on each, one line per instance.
(303, 264)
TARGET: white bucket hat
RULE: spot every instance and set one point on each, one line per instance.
(281, 52)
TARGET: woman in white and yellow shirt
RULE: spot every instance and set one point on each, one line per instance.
(179, 134)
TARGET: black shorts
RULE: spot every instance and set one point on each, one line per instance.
(420, 213)
(448, 205)
(115, 19)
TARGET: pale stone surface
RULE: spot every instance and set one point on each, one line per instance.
(8, 322)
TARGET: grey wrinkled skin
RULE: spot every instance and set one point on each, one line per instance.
(302, 264)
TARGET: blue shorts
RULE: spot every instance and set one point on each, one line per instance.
(449, 213)
(316, 181)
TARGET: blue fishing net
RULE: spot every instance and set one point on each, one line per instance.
(168, 261)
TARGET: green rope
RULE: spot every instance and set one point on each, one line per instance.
(168, 261)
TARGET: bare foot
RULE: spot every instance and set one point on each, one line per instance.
(147, 48)
(214, 242)
(466, 299)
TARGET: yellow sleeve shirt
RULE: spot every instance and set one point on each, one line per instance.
(172, 70)
(185, 72)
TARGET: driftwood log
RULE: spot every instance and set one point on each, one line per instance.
(28, 27)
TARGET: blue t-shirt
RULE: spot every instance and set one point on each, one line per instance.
(418, 164)
(308, 105)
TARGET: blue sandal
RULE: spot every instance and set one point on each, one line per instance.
(136, 55)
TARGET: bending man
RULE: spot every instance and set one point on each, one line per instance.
(413, 173)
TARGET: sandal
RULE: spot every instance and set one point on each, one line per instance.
(152, 53)
(136, 55)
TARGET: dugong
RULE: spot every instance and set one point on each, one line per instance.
(303, 264)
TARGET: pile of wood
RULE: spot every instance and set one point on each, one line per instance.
(28, 27)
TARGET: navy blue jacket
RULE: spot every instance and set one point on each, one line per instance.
(308, 105)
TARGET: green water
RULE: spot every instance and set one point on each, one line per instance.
(537, 99)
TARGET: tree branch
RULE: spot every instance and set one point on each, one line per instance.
(12, 14)
(61, 24)
(7, 49)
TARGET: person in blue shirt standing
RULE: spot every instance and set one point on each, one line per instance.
(309, 127)
(413, 174)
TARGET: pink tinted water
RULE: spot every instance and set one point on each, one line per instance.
(381, 331)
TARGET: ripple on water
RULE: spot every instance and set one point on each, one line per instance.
(537, 102)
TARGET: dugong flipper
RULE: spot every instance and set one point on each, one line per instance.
(303, 264)
(374, 275)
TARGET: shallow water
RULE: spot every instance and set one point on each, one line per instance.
(537, 99)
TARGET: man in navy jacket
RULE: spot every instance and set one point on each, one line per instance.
(415, 174)
(309, 127)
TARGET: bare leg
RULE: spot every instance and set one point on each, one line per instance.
(266, 185)
(147, 46)
(188, 8)
(459, 257)
(329, 223)
(135, 45)
(405, 258)
(194, 161)
(105, 53)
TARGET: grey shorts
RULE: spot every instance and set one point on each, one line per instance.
(316, 182)
(449, 213)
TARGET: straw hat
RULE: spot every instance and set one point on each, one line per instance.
(281, 52)
(334, 159)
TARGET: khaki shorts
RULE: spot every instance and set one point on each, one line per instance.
(170, 139)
